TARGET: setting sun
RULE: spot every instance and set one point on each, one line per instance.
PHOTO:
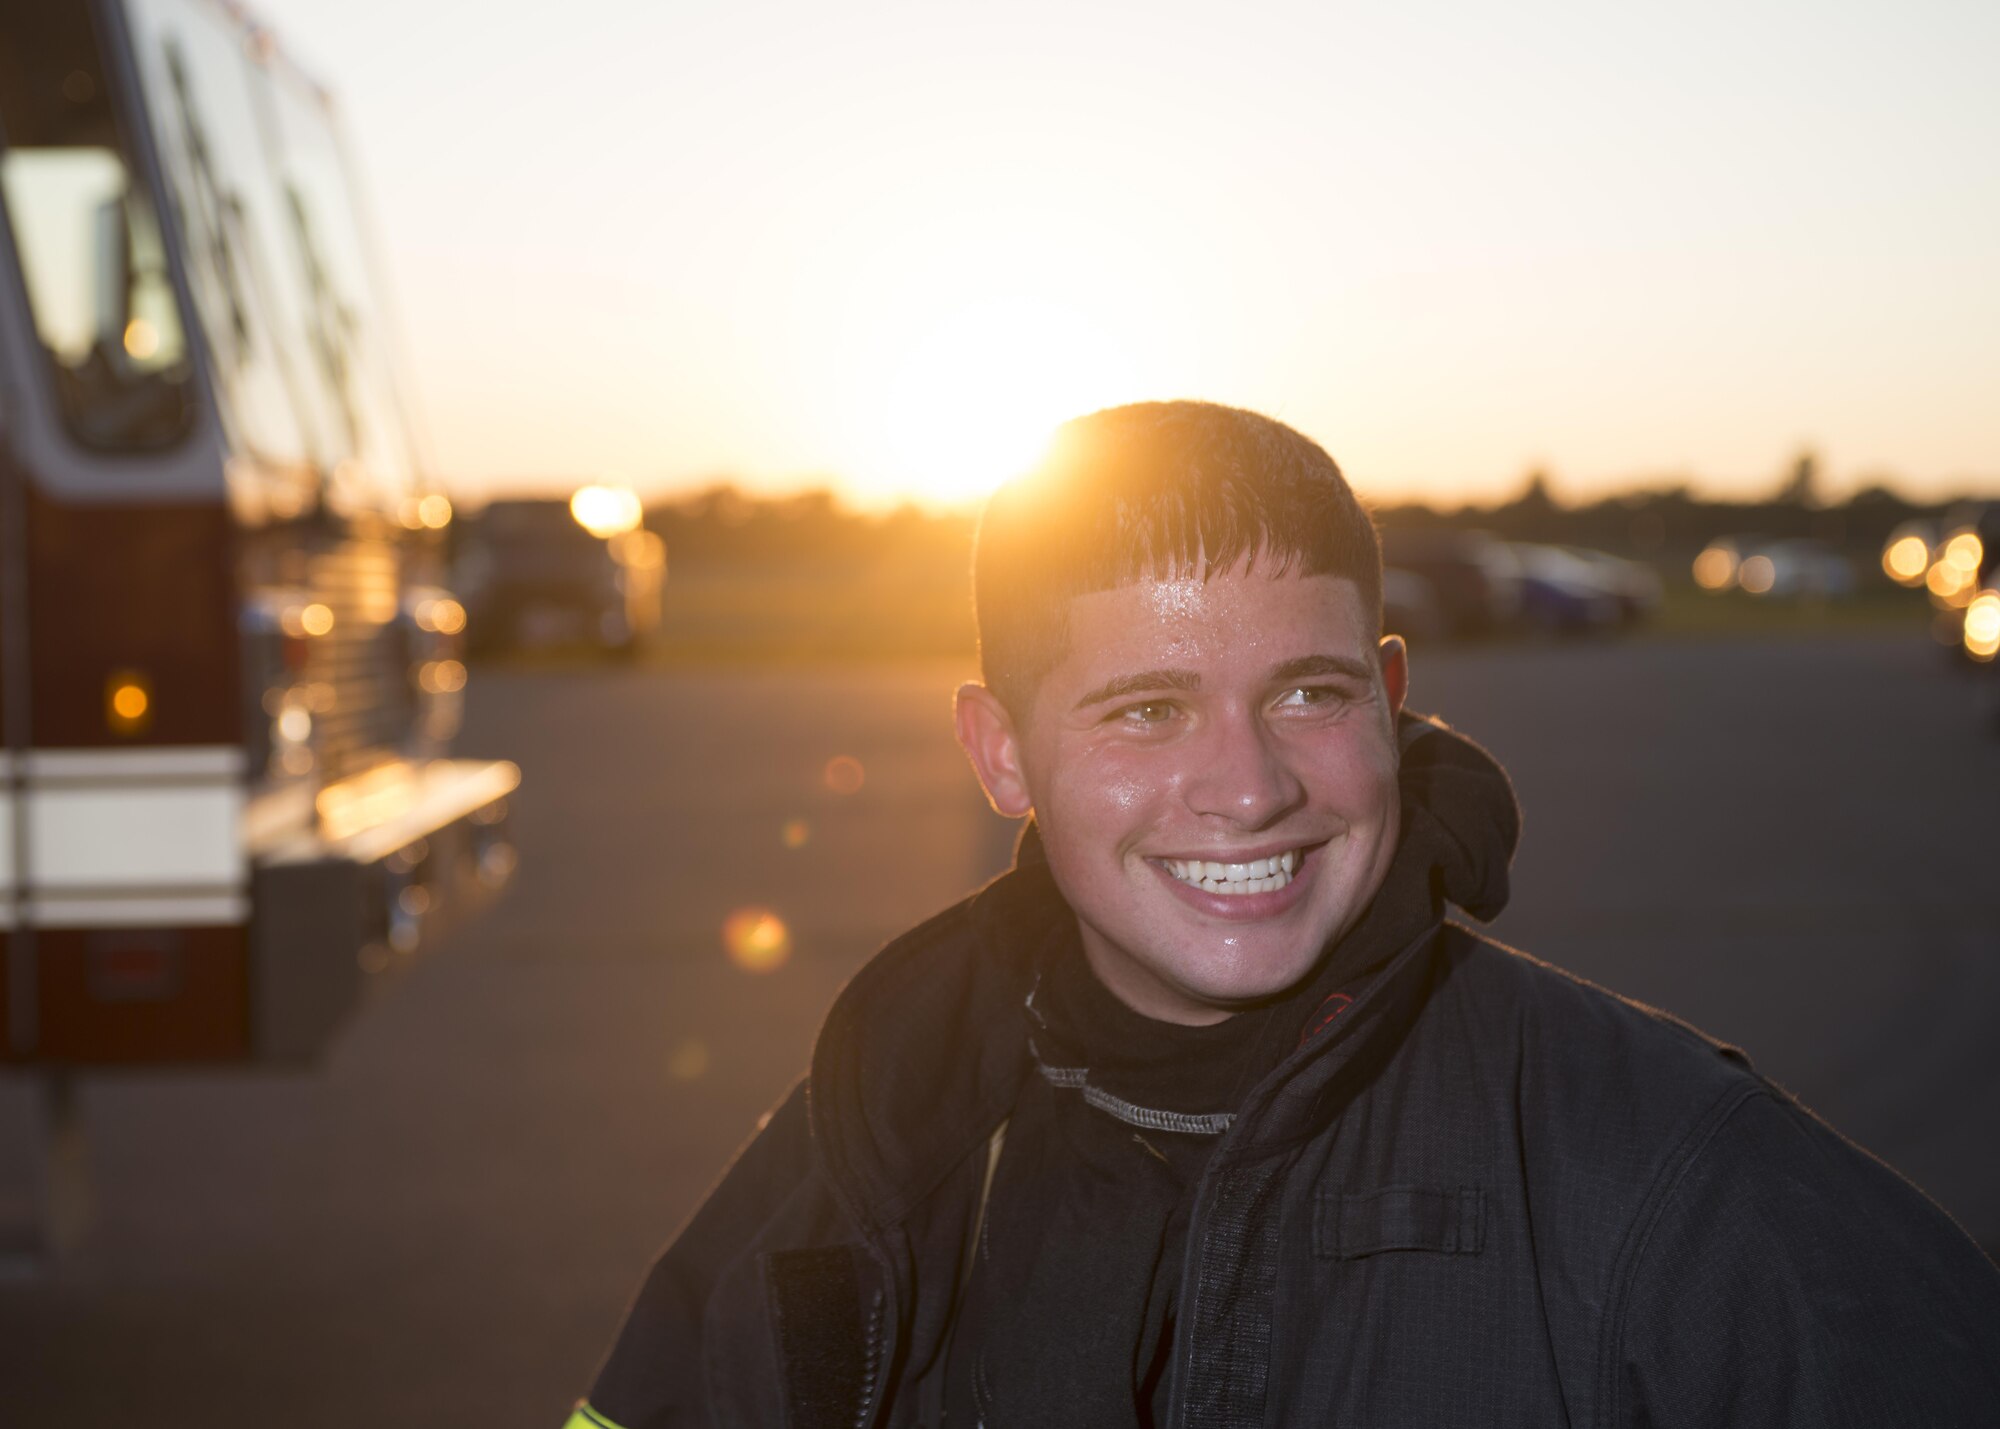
(975, 397)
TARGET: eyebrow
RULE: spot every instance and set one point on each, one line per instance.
(1143, 682)
(1308, 666)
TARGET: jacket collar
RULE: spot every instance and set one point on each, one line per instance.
(924, 1051)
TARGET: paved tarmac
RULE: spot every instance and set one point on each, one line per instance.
(1794, 845)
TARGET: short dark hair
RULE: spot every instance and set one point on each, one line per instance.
(1155, 491)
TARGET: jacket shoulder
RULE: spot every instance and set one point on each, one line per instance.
(1663, 1172)
(1594, 1060)
(1832, 1291)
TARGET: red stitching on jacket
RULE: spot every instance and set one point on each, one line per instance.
(1323, 1015)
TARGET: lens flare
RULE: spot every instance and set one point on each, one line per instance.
(844, 775)
(795, 833)
(757, 940)
(689, 1061)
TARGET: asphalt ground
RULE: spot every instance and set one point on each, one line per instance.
(1793, 844)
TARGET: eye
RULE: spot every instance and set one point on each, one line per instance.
(1146, 714)
(1312, 697)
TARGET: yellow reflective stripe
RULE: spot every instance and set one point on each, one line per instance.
(588, 1418)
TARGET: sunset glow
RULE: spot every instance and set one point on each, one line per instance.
(885, 248)
(975, 398)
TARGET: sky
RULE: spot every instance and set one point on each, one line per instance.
(886, 246)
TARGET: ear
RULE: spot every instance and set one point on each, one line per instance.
(1394, 657)
(986, 733)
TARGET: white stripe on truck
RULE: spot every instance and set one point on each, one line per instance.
(153, 820)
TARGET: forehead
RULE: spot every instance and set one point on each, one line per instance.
(1232, 625)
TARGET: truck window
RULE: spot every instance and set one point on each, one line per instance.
(87, 238)
(196, 82)
(345, 324)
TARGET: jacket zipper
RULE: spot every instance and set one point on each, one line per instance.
(872, 1362)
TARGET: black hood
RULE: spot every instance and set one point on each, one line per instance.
(1459, 813)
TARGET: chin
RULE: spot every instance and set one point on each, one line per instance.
(1251, 980)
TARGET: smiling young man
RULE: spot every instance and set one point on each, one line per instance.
(1206, 1115)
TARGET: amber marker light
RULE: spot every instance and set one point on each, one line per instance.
(756, 940)
(128, 702)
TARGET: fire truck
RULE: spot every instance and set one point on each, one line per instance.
(229, 668)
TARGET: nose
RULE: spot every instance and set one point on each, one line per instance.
(1241, 774)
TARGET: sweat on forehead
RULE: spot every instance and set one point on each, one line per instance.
(1156, 491)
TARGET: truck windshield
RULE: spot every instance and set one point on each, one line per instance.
(277, 259)
(86, 237)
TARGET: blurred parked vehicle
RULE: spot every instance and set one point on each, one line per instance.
(1410, 606)
(1469, 583)
(1563, 594)
(1798, 568)
(540, 572)
(1632, 585)
(1473, 578)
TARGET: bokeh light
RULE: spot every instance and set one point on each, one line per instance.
(795, 833)
(142, 339)
(689, 1060)
(1964, 550)
(606, 511)
(1982, 625)
(1757, 574)
(1951, 583)
(442, 615)
(441, 677)
(844, 775)
(757, 940)
(1906, 559)
(1715, 568)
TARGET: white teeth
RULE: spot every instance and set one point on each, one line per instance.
(1263, 875)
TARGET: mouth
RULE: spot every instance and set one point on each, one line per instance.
(1236, 880)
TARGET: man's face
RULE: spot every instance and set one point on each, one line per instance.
(1213, 770)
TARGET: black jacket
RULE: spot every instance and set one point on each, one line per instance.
(1486, 1194)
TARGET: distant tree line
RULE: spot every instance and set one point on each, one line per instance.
(810, 531)
(814, 532)
(1671, 521)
